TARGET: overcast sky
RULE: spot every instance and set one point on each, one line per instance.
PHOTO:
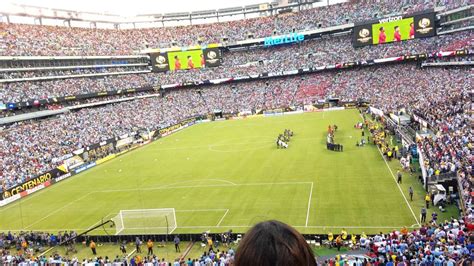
(134, 7)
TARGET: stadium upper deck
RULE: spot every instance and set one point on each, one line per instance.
(28, 40)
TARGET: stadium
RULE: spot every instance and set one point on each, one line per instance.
(293, 132)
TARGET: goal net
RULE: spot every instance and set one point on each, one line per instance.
(145, 221)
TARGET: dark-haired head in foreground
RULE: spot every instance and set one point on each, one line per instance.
(274, 243)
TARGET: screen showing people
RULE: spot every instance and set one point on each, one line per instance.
(186, 59)
(393, 31)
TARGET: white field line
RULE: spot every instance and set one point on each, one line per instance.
(223, 216)
(191, 181)
(202, 210)
(309, 204)
(202, 186)
(46, 251)
(399, 188)
(165, 187)
(130, 254)
(58, 210)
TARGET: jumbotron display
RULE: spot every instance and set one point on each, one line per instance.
(394, 29)
(185, 58)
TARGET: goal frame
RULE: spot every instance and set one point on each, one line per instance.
(120, 216)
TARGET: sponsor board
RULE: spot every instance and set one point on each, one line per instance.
(171, 129)
(73, 162)
(294, 112)
(333, 109)
(84, 167)
(37, 188)
(212, 57)
(61, 178)
(283, 39)
(159, 62)
(105, 159)
(32, 183)
(10, 200)
(123, 142)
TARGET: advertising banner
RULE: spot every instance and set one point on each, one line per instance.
(159, 62)
(171, 129)
(32, 183)
(425, 25)
(212, 57)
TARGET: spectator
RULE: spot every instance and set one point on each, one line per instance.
(274, 243)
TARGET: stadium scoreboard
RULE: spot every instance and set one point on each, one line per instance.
(394, 29)
(185, 58)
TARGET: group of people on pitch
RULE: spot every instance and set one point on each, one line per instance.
(283, 139)
(330, 145)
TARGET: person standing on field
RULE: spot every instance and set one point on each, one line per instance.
(210, 243)
(427, 201)
(410, 191)
(93, 247)
(399, 177)
(123, 248)
(176, 244)
(149, 245)
(138, 242)
(423, 215)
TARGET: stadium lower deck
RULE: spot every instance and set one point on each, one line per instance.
(230, 175)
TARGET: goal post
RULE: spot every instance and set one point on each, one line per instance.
(145, 221)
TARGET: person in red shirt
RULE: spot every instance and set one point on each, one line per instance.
(203, 61)
(396, 35)
(190, 62)
(382, 36)
(412, 31)
(177, 64)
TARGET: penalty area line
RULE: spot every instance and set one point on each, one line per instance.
(223, 216)
(58, 210)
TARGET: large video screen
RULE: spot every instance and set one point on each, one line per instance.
(394, 29)
(186, 59)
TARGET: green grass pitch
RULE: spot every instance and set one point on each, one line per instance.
(230, 175)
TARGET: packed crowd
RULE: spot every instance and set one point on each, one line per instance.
(16, 248)
(237, 63)
(73, 72)
(435, 243)
(27, 40)
(448, 242)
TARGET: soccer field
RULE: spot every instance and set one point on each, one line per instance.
(229, 175)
